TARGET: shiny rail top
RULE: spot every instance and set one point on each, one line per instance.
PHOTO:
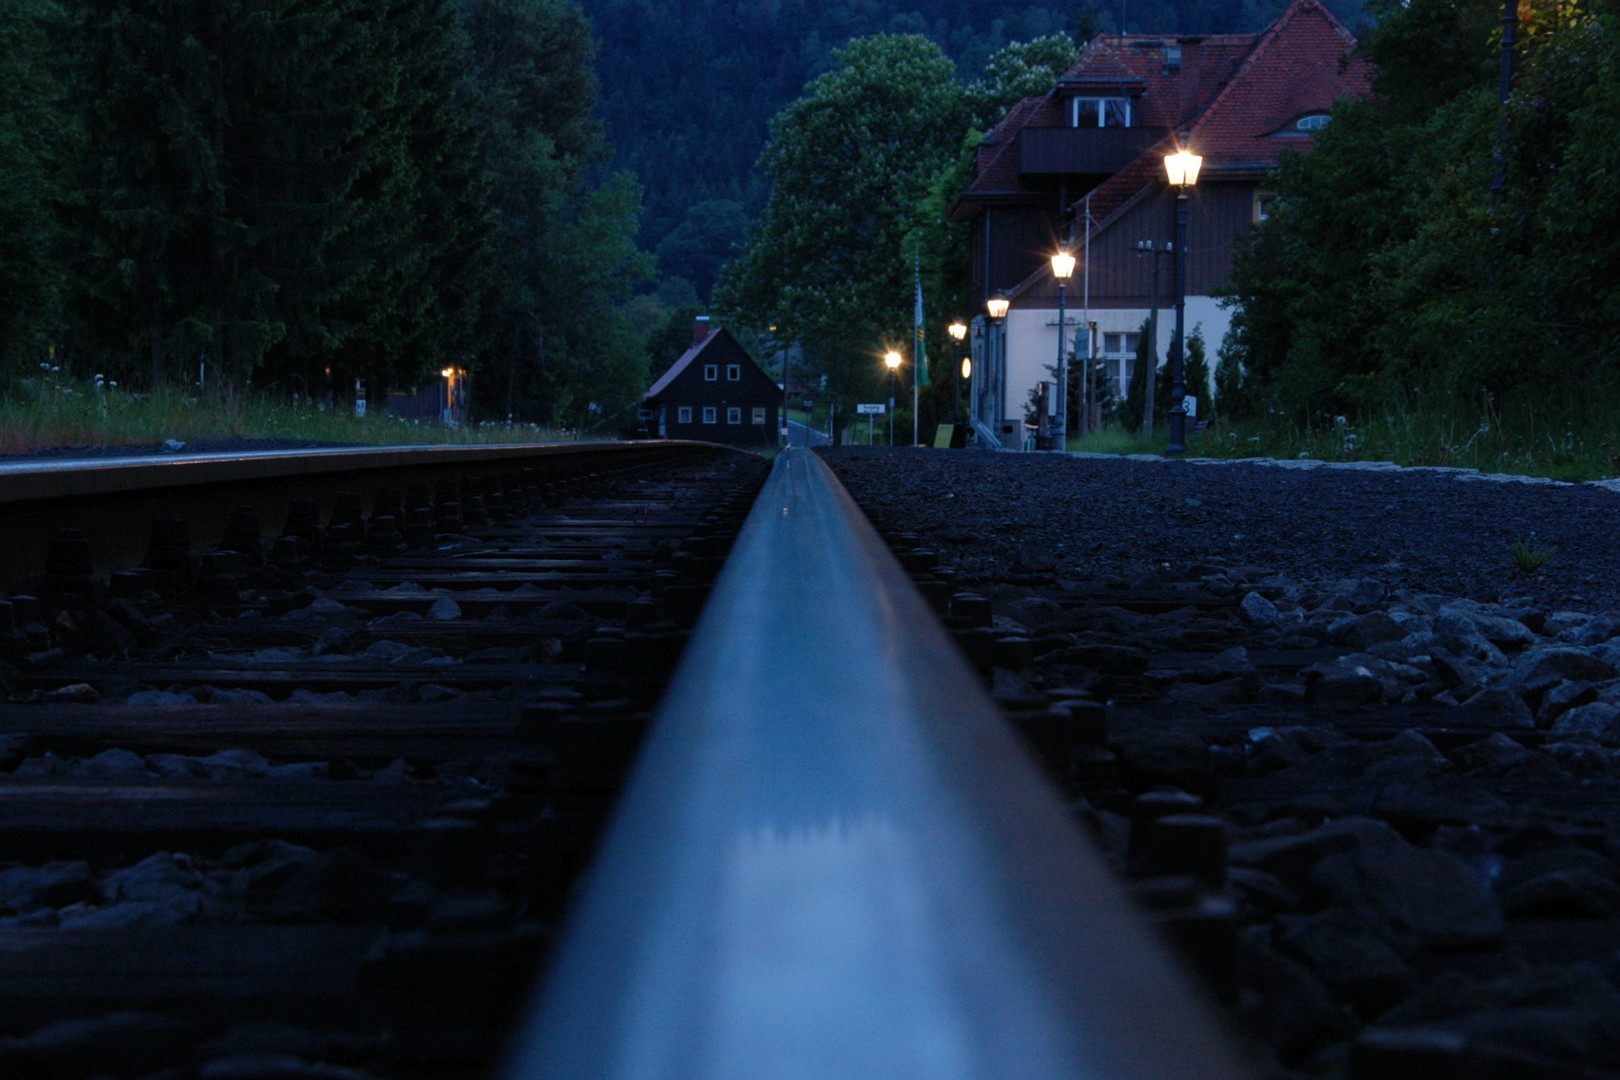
(832, 859)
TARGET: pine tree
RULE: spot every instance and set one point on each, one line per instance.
(36, 136)
(1135, 404)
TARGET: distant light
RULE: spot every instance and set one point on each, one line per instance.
(957, 330)
(967, 367)
(447, 372)
(892, 359)
(1063, 265)
(998, 306)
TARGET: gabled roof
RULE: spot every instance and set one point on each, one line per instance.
(681, 364)
(1232, 93)
(731, 353)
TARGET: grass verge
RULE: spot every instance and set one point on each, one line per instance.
(1528, 444)
(48, 412)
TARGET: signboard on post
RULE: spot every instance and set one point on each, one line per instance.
(870, 411)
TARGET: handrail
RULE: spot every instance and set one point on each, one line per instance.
(833, 860)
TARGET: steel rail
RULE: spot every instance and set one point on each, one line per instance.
(114, 500)
(833, 860)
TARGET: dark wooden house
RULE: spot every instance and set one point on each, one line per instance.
(1083, 166)
(715, 393)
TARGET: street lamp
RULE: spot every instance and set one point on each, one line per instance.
(958, 331)
(1062, 269)
(892, 359)
(1181, 168)
(996, 387)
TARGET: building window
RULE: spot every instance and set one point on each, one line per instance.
(1101, 112)
(759, 414)
(708, 414)
(734, 414)
(683, 415)
(1313, 122)
(711, 372)
(733, 372)
(1121, 344)
(1265, 202)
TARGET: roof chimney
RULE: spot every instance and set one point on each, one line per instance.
(700, 330)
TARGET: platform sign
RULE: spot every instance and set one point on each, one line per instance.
(871, 410)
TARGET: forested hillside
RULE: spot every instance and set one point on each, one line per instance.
(688, 86)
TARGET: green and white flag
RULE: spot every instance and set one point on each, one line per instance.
(921, 351)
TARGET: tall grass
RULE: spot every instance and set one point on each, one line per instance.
(1573, 442)
(49, 411)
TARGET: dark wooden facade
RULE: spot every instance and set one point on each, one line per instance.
(1218, 214)
(715, 392)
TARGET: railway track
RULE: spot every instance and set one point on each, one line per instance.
(303, 783)
(300, 788)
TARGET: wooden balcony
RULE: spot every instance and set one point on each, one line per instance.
(1080, 151)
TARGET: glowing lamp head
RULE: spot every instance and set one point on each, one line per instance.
(997, 306)
(957, 330)
(967, 367)
(447, 372)
(1063, 265)
(1182, 168)
(892, 359)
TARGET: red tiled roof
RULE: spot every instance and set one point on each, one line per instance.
(996, 161)
(1232, 93)
(1295, 69)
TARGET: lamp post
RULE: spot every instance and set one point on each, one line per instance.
(1181, 168)
(892, 359)
(1062, 269)
(787, 432)
(996, 307)
(958, 331)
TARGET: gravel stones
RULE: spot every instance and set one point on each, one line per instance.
(1409, 742)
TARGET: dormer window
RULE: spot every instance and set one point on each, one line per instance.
(1313, 122)
(1101, 112)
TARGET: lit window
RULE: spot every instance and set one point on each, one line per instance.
(708, 414)
(1100, 112)
(759, 414)
(683, 415)
(733, 372)
(734, 414)
(711, 372)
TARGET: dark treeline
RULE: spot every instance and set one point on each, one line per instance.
(301, 193)
(1437, 250)
(690, 86)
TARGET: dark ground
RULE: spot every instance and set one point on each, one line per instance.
(1116, 518)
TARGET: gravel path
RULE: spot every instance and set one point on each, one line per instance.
(1422, 531)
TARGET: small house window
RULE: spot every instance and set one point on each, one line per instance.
(1265, 202)
(734, 414)
(683, 415)
(711, 372)
(759, 414)
(1100, 112)
(733, 372)
(708, 414)
(1313, 122)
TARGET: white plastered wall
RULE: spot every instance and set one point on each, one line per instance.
(1032, 340)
